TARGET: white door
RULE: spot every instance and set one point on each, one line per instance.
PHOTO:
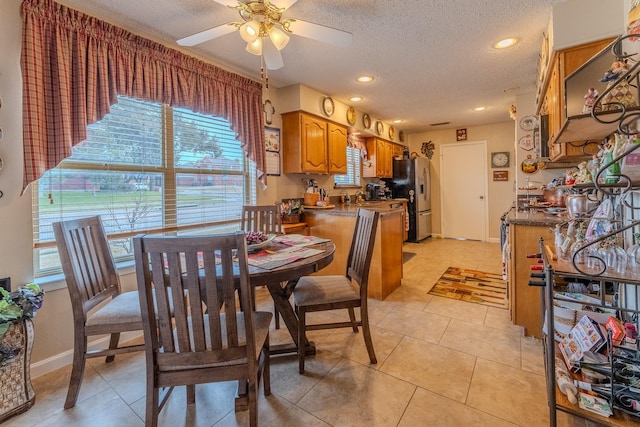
(463, 189)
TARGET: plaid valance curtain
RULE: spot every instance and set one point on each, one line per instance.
(74, 66)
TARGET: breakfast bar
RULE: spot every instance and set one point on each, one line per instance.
(337, 224)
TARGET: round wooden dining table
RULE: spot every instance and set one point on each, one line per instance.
(281, 281)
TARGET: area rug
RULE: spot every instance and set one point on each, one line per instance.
(472, 286)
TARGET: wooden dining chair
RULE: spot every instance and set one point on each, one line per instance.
(323, 293)
(267, 219)
(92, 280)
(264, 218)
(190, 345)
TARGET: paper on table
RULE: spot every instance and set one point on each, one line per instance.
(299, 240)
(269, 261)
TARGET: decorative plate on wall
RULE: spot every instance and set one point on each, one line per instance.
(526, 142)
(351, 115)
(528, 123)
(379, 127)
(401, 136)
(328, 106)
(392, 132)
(366, 121)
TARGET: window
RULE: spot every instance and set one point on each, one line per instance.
(352, 178)
(145, 167)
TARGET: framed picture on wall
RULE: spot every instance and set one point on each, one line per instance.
(272, 139)
(461, 134)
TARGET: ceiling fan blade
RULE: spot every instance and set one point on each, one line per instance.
(272, 56)
(282, 4)
(320, 32)
(207, 35)
(230, 3)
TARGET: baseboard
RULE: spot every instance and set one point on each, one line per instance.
(493, 240)
(61, 360)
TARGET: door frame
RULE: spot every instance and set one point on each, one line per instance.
(483, 144)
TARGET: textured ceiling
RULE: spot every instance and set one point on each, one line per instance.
(432, 60)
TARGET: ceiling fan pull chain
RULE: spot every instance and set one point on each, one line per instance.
(263, 72)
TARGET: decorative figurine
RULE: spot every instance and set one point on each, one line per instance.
(618, 91)
(590, 100)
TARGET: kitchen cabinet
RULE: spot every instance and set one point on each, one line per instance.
(525, 302)
(563, 146)
(380, 156)
(337, 147)
(311, 144)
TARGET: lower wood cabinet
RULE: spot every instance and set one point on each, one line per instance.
(385, 275)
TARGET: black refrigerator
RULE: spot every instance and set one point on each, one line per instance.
(411, 181)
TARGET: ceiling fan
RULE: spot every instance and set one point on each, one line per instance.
(265, 30)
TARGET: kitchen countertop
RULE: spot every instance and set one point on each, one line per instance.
(350, 209)
(535, 217)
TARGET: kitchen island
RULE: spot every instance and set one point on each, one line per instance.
(526, 227)
(338, 225)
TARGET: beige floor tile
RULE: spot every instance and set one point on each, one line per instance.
(511, 394)
(353, 395)
(101, 410)
(51, 392)
(498, 318)
(532, 355)
(347, 344)
(126, 375)
(417, 324)
(461, 310)
(430, 409)
(435, 368)
(409, 297)
(288, 383)
(214, 401)
(273, 411)
(488, 343)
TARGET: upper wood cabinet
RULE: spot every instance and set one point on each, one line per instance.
(554, 99)
(310, 144)
(380, 154)
(337, 146)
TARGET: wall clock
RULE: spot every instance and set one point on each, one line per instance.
(500, 159)
(328, 106)
(366, 121)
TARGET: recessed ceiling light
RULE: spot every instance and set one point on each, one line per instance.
(355, 99)
(503, 44)
(365, 79)
(479, 108)
(397, 121)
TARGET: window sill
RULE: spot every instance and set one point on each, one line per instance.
(54, 282)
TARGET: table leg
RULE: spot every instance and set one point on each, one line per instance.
(280, 297)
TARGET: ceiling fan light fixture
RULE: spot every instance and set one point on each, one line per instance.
(278, 37)
(250, 31)
(255, 47)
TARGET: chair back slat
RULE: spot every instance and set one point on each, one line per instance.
(361, 250)
(197, 272)
(261, 218)
(86, 261)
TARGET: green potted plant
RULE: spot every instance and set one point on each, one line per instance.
(16, 341)
(291, 211)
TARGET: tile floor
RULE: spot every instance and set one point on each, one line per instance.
(441, 362)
